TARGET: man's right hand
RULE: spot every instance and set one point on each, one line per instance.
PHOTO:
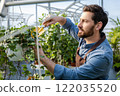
(51, 19)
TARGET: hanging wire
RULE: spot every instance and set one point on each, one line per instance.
(21, 14)
(37, 42)
(13, 16)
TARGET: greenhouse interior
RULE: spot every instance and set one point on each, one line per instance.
(21, 27)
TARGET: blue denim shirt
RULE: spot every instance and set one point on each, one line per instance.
(98, 62)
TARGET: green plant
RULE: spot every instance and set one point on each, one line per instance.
(118, 74)
(114, 39)
(25, 41)
(6, 64)
(58, 45)
(1, 76)
(26, 72)
(47, 73)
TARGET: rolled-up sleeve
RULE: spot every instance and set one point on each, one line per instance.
(96, 67)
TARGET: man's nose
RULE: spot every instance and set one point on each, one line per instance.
(79, 24)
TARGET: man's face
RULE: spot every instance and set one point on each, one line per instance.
(86, 25)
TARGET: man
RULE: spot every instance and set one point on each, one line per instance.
(94, 55)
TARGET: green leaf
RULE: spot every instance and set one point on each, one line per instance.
(116, 65)
(42, 67)
(24, 65)
(118, 74)
(1, 76)
(47, 72)
(114, 21)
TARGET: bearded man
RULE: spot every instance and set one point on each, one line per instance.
(94, 56)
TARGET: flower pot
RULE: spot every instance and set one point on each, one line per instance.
(18, 54)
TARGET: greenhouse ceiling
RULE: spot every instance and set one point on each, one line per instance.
(23, 2)
(5, 3)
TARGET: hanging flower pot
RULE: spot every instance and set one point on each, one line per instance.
(18, 54)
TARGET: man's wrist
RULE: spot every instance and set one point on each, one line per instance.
(43, 59)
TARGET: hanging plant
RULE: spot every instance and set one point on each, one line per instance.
(6, 64)
(59, 45)
(17, 48)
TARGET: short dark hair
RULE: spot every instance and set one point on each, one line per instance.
(99, 14)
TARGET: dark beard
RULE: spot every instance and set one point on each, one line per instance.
(88, 34)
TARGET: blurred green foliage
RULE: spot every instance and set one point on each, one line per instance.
(114, 39)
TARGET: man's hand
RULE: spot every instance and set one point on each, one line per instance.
(51, 19)
(45, 61)
(41, 53)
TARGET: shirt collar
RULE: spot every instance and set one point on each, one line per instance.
(87, 45)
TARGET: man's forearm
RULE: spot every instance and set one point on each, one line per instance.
(53, 19)
(48, 63)
(62, 20)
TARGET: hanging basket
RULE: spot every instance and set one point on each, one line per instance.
(18, 54)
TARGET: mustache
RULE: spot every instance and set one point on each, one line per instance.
(80, 28)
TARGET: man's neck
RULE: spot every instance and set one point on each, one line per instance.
(92, 39)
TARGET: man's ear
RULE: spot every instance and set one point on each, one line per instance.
(99, 25)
